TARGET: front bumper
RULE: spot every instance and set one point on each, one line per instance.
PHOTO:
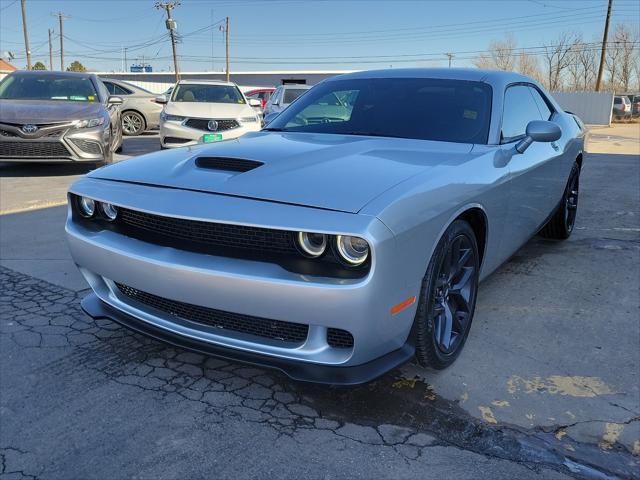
(64, 145)
(306, 372)
(174, 134)
(256, 288)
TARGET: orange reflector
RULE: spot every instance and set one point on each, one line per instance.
(401, 306)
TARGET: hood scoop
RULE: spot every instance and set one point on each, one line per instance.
(227, 163)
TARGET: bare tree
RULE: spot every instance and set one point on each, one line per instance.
(500, 55)
(583, 65)
(625, 41)
(528, 65)
(557, 57)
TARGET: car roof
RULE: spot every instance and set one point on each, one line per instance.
(46, 73)
(472, 74)
(206, 82)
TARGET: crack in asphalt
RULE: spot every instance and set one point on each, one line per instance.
(37, 314)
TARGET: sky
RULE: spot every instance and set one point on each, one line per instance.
(288, 35)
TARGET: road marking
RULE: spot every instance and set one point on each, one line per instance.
(487, 415)
(38, 206)
(575, 386)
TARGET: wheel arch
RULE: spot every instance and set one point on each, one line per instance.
(477, 218)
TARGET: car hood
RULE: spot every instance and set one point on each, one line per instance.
(336, 172)
(209, 110)
(46, 111)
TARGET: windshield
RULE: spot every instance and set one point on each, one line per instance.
(48, 87)
(193, 92)
(420, 108)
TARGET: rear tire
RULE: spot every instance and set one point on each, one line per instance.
(447, 297)
(560, 225)
(133, 123)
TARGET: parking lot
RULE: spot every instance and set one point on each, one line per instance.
(547, 386)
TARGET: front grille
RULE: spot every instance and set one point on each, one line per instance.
(203, 124)
(208, 236)
(7, 133)
(294, 333)
(338, 338)
(33, 149)
(87, 146)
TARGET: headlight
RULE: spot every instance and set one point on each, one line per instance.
(172, 118)
(248, 119)
(110, 211)
(87, 207)
(312, 244)
(353, 250)
(93, 122)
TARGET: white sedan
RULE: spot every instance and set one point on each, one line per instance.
(206, 111)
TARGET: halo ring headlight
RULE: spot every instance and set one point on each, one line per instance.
(110, 211)
(312, 244)
(353, 250)
(87, 207)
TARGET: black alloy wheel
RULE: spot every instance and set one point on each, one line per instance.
(561, 224)
(448, 297)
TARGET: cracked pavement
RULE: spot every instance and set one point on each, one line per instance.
(547, 387)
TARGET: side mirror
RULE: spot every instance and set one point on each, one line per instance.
(161, 99)
(270, 118)
(254, 102)
(113, 100)
(539, 131)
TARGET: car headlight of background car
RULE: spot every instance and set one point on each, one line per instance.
(165, 117)
(308, 253)
(89, 123)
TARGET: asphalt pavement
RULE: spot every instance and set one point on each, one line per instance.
(547, 387)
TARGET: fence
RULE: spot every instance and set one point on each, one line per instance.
(593, 108)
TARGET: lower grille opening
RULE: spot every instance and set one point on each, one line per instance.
(176, 140)
(31, 149)
(338, 338)
(292, 333)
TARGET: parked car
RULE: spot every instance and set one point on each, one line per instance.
(336, 250)
(282, 97)
(140, 111)
(199, 107)
(261, 94)
(58, 117)
(635, 104)
(621, 106)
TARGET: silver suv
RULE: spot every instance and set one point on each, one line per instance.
(283, 96)
(58, 117)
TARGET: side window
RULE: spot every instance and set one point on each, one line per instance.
(545, 111)
(120, 91)
(519, 109)
(110, 87)
(276, 95)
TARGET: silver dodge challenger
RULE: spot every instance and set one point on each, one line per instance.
(333, 247)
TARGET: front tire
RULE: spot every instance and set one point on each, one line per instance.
(447, 297)
(560, 225)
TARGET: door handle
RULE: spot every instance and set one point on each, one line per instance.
(555, 146)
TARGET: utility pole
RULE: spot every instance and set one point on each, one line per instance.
(61, 16)
(26, 35)
(171, 26)
(125, 59)
(50, 50)
(604, 47)
(226, 31)
(212, 39)
(450, 55)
